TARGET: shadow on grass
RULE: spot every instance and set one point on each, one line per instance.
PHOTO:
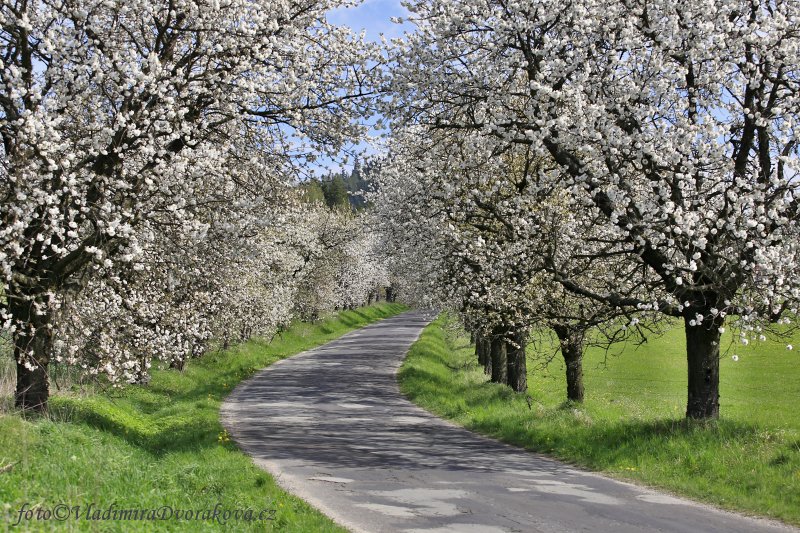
(189, 427)
(569, 438)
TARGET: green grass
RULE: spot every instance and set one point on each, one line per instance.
(631, 424)
(161, 444)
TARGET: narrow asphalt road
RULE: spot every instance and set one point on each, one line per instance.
(332, 426)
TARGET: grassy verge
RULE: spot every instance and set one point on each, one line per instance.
(159, 445)
(631, 425)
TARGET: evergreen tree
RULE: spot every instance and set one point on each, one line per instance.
(312, 192)
(335, 192)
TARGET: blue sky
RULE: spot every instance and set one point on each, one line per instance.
(374, 16)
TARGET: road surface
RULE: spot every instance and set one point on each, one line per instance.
(332, 426)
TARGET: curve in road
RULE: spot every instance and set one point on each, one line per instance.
(332, 426)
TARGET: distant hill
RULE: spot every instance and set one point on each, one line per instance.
(343, 189)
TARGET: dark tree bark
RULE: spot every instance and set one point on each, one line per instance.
(142, 375)
(479, 350)
(702, 354)
(35, 337)
(571, 343)
(499, 359)
(484, 352)
(487, 355)
(516, 361)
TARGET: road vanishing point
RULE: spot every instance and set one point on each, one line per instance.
(332, 427)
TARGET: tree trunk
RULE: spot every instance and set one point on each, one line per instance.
(33, 345)
(517, 367)
(369, 298)
(571, 342)
(499, 359)
(702, 353)
(483, 350)
(143, 374)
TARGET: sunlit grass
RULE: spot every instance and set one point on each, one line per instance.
(161, 444)
(631, 424)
